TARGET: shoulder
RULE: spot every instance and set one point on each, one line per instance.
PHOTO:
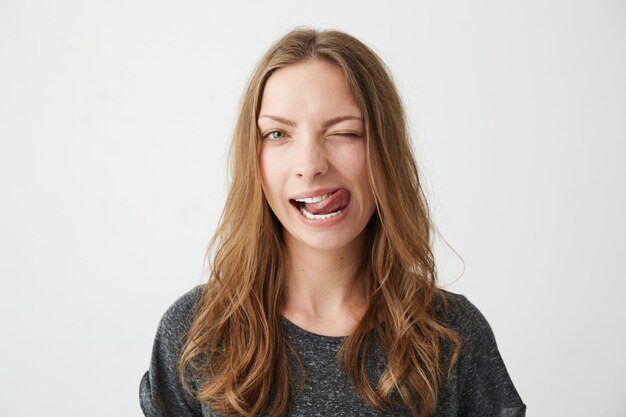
(462, 316)
(161, 393)
(175, 323)
(477, 340)
(183, 308)
(484, 385)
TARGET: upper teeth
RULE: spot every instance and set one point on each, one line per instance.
(316, 199)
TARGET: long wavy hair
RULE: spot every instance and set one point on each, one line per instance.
(235, 358)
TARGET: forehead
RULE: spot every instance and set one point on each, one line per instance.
(311, 88)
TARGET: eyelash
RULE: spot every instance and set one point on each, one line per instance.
(267, 135)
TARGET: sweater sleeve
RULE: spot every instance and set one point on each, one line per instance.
(485, 388)
(160, 392)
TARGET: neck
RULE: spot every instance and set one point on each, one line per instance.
(324, 289)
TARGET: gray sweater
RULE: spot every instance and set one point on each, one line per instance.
(480, 385)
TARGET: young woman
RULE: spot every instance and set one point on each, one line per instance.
(323, 297)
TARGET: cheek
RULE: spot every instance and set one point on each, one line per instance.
(270, 174)
(354, 165)
(263, 167)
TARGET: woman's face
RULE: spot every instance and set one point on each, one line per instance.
(313, 156)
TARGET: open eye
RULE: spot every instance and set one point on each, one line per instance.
(275, 135)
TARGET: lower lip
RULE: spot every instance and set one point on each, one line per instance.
(331, 221)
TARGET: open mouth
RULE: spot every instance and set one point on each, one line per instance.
(324, 206)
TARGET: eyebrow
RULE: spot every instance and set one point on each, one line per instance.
(325, 124)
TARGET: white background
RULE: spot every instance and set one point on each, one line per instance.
(115, 118)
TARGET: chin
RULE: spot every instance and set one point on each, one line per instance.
(324, 242)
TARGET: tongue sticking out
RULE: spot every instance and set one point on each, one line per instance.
(338, 200)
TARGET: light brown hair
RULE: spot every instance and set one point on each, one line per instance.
(236, 353)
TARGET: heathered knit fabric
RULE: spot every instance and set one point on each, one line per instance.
(480, 385)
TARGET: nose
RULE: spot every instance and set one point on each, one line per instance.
(310, 158)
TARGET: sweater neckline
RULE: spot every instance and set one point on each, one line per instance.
(299, 331)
